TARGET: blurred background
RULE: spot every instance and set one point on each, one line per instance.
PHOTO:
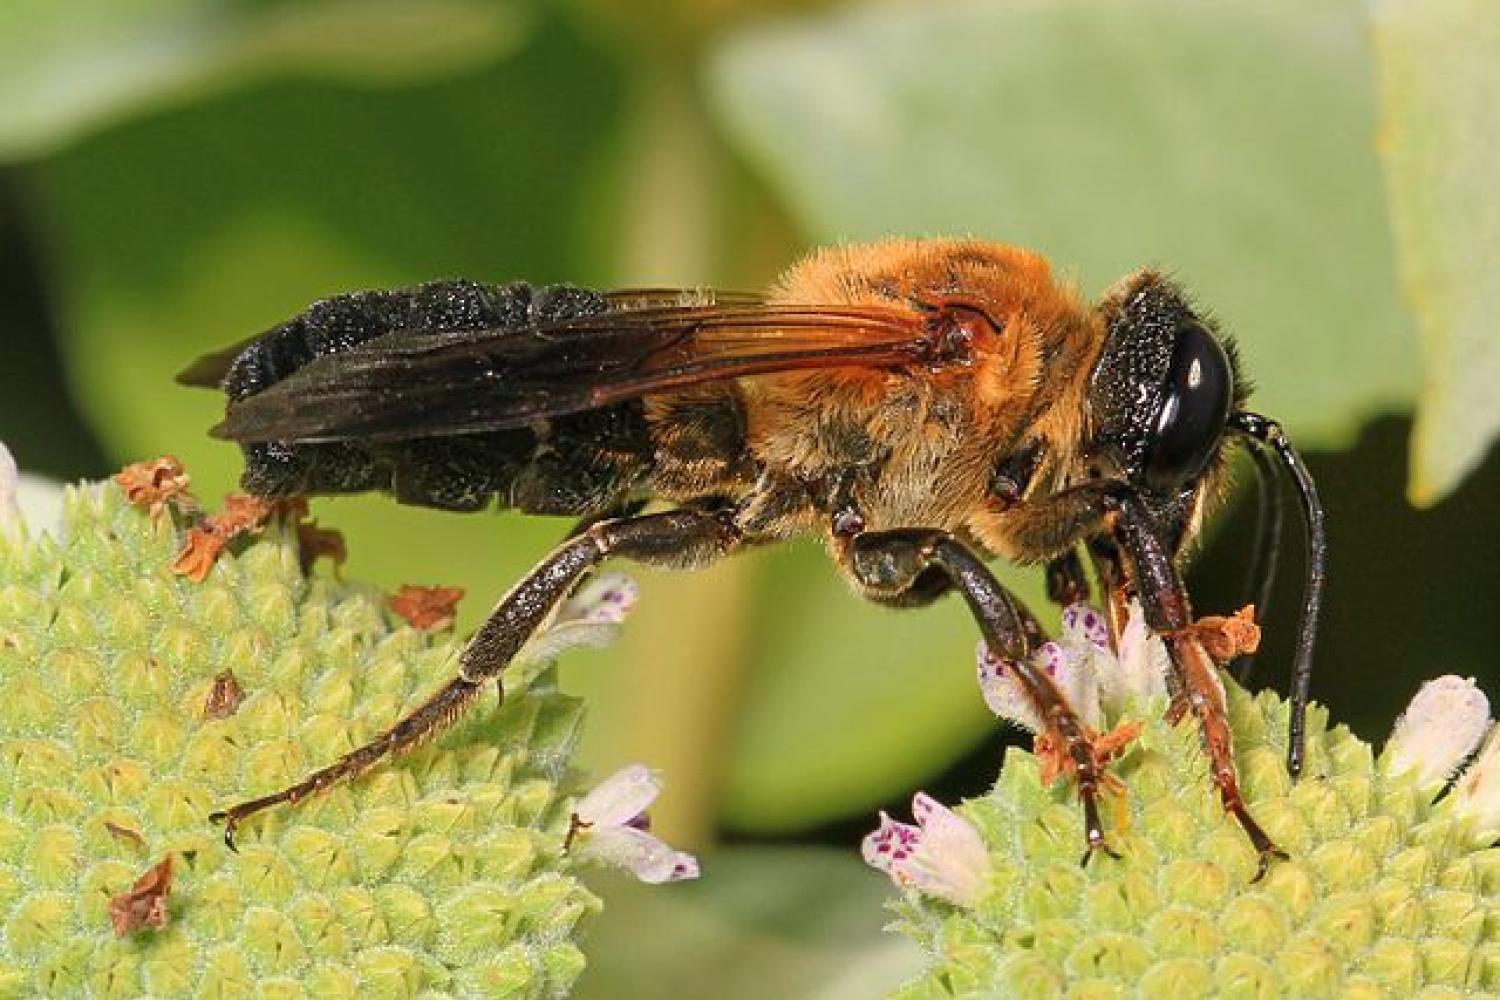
(176, 175)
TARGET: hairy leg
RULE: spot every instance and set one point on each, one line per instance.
(1168, 612)
(888, 562)
(1131, 552)
(681, 539)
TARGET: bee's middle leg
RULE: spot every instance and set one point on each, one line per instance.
(910, 567)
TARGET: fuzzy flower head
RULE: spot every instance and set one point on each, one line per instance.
(137, 699)
(941, 856)
(610, 825)
(1390, 888)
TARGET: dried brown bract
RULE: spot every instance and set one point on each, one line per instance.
(224, 697)
(1228, 638)
(125, 833)
(242, 513)
(430, 609)
(145, 903)
(156, 485)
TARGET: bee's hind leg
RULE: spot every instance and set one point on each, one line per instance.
(679, 539)
(888, 564)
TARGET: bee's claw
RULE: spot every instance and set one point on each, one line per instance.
(230, 825)
(1097, 844)
(1268, 853)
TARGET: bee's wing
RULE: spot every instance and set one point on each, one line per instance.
(402, 386)
(209, 370)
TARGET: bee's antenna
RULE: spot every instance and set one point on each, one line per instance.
(1269, 517)
(1268, 432)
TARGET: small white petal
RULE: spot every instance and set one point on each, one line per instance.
(41, 501)
(620, 798)
(1076, 669)
(949, 860)
(1002, 692)
(1143, 664)
(946, 831)
(28, 501)
(549, 644)
(10, 481)
(943, 856)
(1439, 729)
(1477, 793)
(645, 856)
(684, 867)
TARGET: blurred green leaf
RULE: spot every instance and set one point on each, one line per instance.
(186, 231)
(761, 923)
(1439, 66)
(69, 66)
(850, 703)
(1231, 143)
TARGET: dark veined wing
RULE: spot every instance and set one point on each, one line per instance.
(210, 370)
(401, 386)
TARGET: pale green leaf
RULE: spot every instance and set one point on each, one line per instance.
(1440, 78)
(1230, 143)
(190, 230)
(760, 923)
(69, 66)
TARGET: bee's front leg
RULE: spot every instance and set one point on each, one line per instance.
(1168, 612)
(890, 564)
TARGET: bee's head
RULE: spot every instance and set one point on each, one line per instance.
(1161, 395)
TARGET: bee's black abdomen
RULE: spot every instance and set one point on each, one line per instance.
(577, 464)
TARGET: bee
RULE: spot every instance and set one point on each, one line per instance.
(924, 405)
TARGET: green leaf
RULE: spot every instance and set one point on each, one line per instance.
(1230, 143)
(71, 66)
(760, 923)
(190, 230)
(1440, 143)
(851, 703)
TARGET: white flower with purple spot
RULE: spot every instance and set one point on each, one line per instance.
(1087, 624)
(590, 618)
(610, 825)
(1078, 661)
(1438, 731)
(942, 855)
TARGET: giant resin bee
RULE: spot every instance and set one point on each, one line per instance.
(924, 406)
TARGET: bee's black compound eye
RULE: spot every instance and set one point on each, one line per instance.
(1195, 404)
